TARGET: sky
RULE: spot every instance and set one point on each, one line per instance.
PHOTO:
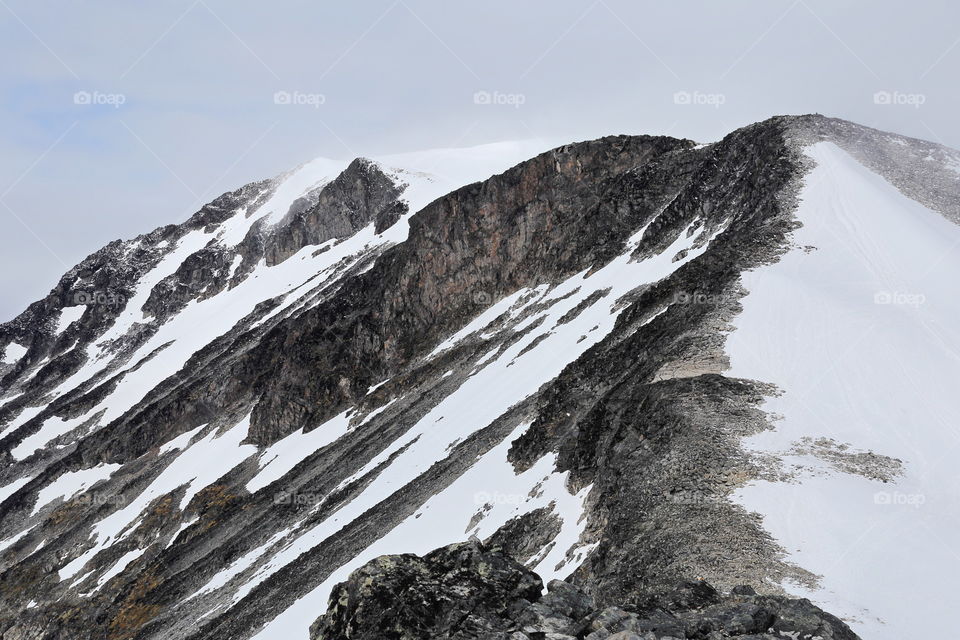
(119, 117)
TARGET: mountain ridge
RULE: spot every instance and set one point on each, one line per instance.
(341, 355)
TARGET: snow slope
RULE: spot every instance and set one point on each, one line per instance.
(426, 174)
(502, 381)
(861, 334)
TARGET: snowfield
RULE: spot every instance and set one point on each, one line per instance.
(861, 333)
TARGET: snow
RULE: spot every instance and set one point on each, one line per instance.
(237, 261)
(287, 453)
(181, 441)
(436, 172)
(377, 386)
(444, 517)
(68, 316)
(501, 383)
(26, 414)
(9, 542)
(9, 489)
(183, 527)
(238, 566)
(200, 322)
(197, 466)
(98, 357)
(296, 184)
(862, 335)
(51, 428)
(482, 320)
(73, 482)
(13, 353)
(373, 414)
(119, 566)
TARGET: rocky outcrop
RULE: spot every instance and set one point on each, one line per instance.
(447, 592)
(468, 592)
(362, 194)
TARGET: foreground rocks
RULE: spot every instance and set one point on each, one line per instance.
(466, 591)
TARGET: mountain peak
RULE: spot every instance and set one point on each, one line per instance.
(569, 353)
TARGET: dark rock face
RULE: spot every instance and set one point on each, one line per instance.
(358, 196)
(467, 592)
(453, 592)
(546, 218)
(658, 432)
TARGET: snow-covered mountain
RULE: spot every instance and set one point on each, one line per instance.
(627, 362)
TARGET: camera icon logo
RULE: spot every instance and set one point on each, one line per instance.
(482, 97)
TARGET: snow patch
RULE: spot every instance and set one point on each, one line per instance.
(862, 335)
(119, 566)
(13, 353)
(73, 482)
(51, 428)
(8, 490)
(68, 316)
(199, 465)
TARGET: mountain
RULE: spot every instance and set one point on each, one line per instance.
(616, 367)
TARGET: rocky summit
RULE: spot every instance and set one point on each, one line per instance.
(624, 364)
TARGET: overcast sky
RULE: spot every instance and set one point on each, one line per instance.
(118, 117)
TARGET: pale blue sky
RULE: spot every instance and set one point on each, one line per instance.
(198, 78)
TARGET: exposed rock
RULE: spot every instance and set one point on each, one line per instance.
(360, 195)
(468, 592)
(458, 591)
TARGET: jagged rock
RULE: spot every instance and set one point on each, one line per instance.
(362, 194)
(458, 591)
(467, 592)
(566, 599)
